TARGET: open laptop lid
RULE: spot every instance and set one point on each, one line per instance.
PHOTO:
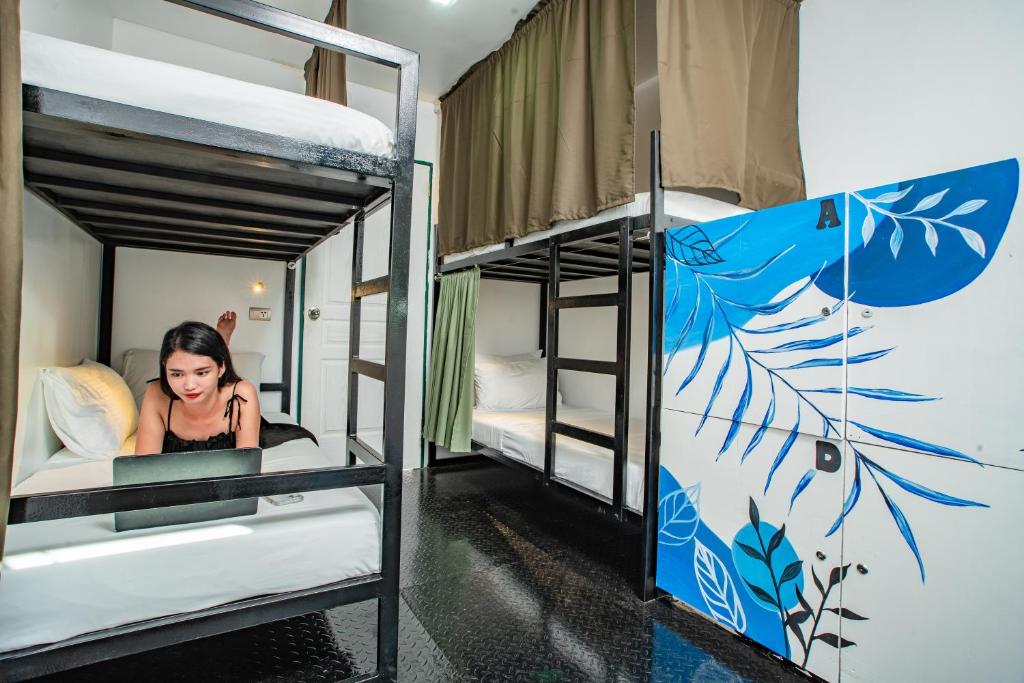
(166, 467)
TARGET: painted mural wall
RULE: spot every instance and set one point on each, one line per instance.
(840, 463)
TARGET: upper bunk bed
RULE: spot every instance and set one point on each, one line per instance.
(141, 153)
(149, 155)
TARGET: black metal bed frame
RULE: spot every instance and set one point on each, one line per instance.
(142, 178)
(619, 247)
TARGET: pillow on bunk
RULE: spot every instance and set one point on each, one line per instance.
(90, 408)
(489, 362)
(512, 385)
(142, 365)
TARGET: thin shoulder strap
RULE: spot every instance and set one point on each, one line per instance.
(232, 403)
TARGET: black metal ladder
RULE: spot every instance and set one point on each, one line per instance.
(619, 368)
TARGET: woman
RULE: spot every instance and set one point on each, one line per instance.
(200, 403)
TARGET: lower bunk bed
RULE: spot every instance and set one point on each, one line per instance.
(65, 578)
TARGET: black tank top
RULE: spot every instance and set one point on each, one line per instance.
(271, 434)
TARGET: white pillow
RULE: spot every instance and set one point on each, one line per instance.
(511, 384)
(90, 408)
(142, 365)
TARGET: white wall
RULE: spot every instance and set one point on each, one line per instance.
(154, 291)
(59, 301)
(508, 318)
(83, 21)
(893, 90)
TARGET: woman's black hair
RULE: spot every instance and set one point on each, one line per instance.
(201, 340)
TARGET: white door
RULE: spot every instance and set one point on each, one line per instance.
(326, 339)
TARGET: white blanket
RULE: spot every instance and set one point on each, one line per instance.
(117, 77)
(67, 577)
(519, 434)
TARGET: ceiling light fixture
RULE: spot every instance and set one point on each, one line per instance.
(444, 3)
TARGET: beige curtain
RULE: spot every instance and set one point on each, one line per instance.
(542, 129)
(325, 70)
(10, 244)
(727, 72)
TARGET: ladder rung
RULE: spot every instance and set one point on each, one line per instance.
(367, 368)
(377, 285)
(601, 367)
(591, 437)
(588, 300)
(364, 451)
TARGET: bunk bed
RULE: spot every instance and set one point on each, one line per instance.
(153, 168)
(619, 242)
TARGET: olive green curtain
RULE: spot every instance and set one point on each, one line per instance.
(325, 70)
(542, 129)
(449, 414)
(727, 72)
(10, 244)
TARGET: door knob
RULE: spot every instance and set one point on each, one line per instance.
(313, 313)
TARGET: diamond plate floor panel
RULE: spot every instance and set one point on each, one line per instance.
(501, 581)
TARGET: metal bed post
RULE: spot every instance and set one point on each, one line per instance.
(105, 341)
(622, 349)
(354, 327)
(288, 336)
(656, 332)
(436, 295)
(551, 353)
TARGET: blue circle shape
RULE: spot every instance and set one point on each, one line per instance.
(755, 572)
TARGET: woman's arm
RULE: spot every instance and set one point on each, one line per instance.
(149, 439)
(248, 434)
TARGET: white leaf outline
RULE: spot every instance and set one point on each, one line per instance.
(867, 230)
(931, 236)
(973, 240)
(967, 207)
(930, 201)
(890, 197)
(896, 239)
(670, 512)
(717, 589)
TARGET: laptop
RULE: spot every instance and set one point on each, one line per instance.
(152, 469)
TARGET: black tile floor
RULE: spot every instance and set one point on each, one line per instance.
(501, 581)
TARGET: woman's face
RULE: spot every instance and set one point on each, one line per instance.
(193, 378)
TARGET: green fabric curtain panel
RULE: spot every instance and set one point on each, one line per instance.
(727, 74)
(10, 244)
(325, 70)
(449, 418)
(542, 129)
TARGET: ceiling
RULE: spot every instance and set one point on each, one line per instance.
(449, 39)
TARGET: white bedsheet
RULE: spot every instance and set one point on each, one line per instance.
(690, 207)
(117, 77)
(68, 577)
(519, 434)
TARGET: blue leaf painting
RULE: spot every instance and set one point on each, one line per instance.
(879, 394)
(773, 307)
(717, 589)
(769, 416)
(801, 485)
(687, 326)
(679, 516)
(784, 451)
(708, 331)
(922, 491)
(719, 381)
(741, 408)
(915, 444)
(757, 578)
(796, 324)
(851, 499)
(692, 247)
(721, 241)
(904, 527)
(748, 273)
(833, 362)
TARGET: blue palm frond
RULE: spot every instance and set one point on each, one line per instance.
(708, 331)
(915, 444)
(879, 394)
(796, 324)
(685, 331)
(720, 242)
(719, 381)
(769, 416)
(741, 408)
(809, 344)
(851, 499)
(801, 485)
(919, 490)
(904, 527)
(675, 294)
(832, 362)
(773, 307)
(748, 273)
(784, 451)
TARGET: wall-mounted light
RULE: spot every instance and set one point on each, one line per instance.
(444, 3)
(258, 287)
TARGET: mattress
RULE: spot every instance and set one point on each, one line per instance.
(688, 207)
(519, 434)
(116, 77)
(68, 577)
